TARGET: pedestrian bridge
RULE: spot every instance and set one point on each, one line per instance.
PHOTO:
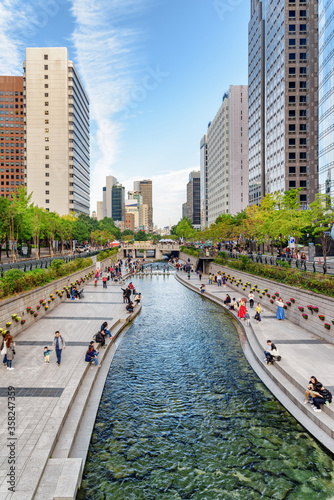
(149, 250)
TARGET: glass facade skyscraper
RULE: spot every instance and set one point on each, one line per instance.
(326, 96)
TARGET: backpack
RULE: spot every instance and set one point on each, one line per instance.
(327, 395)
(99, 337)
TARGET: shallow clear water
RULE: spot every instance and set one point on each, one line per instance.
(183, 415)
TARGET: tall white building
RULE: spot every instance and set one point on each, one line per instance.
(227, 155)
(57, 132)
(204, 181)
(107, 196)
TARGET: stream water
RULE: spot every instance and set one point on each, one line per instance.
(183, 415)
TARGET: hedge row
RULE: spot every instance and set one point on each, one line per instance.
(317, 283)
(106, 254)
(16, 281)
(190, 251)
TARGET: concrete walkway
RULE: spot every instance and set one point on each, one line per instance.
(45, 393)
(303, 355)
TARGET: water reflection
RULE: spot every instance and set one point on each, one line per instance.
(183, 416)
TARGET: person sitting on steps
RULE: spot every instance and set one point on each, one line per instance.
(322, 396)
(271, 353)
(309, 393)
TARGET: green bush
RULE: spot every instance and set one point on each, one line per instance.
(15, 281)
(316, 282)
(105, 254)
(190, 251)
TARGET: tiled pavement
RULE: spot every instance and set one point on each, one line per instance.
(44, 392)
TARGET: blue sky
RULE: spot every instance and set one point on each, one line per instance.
(155, 72)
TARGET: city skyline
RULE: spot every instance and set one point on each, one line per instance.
(135, 91)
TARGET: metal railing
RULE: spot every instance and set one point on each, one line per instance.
(303, 265)
(29, 265)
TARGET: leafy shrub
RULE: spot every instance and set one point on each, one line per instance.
(106, 254)
(190, 251)
(57, 264)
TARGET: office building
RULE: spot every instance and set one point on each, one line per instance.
(130, 221)
(326, 90)
(145, 189)
(194, 199)
(99, 210)
(132, 207)
(227, 151)
(204, 181)
(283, 38)
(184, 210)
(107, 196)
(57, 132)
(256, 103)
(118, 202)
(12, 135)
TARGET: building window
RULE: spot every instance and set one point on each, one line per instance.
(46, 95)
(302, 42)
(303, 197)
(292, 42)
(302, 85)
(46, 130)
(302, 99)
(46, 148)
(46, 67)
(292, 113)
(46, 77)
(47, 201)
(292, 85)
(292, 184)
(46, 103)
(302, 13)
(302, 170)
(46, 112)
(292, 170)
(46, 139)
(302, 28)
(47, 174)
(46, 57)
(47, 192)
(302, 184)
(46, 122)
(303, 56)
(302, 113)
(292, 156)
(292, 13)
(47, 183)
(292, 56)
(47, 165)
(303, 70)
(292, 71)
(292, 99)
(46, 85)
(46, 157)
(292, 28)
(302, 156)
(292, 142)
(292, 128)
(302, 141)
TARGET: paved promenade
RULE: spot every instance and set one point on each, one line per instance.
(45, 393)
(303, 355)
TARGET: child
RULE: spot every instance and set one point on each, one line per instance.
(247, 317)
(47, 353)
(95, 282)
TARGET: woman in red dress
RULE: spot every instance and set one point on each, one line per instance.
(242, 309)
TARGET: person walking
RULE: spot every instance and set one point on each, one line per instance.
(251, 299)
(10, 352)
(280, 309)
(3, 348)
(59, 344)
(258, 311)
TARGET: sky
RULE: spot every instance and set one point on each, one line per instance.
(155, 72)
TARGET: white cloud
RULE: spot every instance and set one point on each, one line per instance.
(107, 59)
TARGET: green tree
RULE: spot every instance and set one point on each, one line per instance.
(184, 229)
(321, 218)
(141, 236)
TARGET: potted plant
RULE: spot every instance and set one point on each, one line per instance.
(301, 308)
(35, 314)
(292, 300)
(17, 318)
(288, 303)
(23, 321)
(8, 323)
(321, 316)
(327, 326)
(14, 316)
(305, 316)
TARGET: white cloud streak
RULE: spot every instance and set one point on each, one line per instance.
(107, 60)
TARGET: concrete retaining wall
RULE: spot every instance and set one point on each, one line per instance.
(185, 257)
(18, 305)
(303, 298)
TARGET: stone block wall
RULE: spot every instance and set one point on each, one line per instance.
(303, 298)
(18, 305)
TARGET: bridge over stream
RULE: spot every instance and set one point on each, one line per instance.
(149, 250)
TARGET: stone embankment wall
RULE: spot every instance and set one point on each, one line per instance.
(18, 305)
(184, 257)
(302, 298)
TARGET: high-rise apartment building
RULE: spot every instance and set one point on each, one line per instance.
(12, 135)
(283, 37)
(145, 189)
(132, 207)
(326, 92)
(194, 199)
(57, 132)
(227, 146)
(204, 181)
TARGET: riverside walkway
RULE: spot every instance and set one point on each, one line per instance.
(303, 355)
(38, 433)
